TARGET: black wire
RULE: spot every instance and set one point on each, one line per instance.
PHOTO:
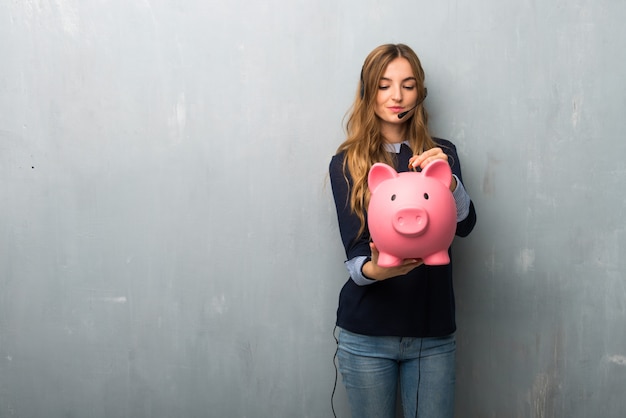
(419, 377)
(332, 396)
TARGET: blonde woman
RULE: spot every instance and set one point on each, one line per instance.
(395, 325)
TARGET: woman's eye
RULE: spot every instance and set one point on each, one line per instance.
(409, 87)
(383, 87)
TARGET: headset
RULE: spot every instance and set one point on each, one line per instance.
(419, 378)
(332, 396)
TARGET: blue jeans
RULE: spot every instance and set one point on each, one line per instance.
(372, 367)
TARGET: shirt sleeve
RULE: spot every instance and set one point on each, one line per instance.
(462, 200)
(355, 268)
(466, 213)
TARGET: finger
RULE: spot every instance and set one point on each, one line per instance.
(429, 160)
(430, 152)
(374, 253)
(421, 162)
(411, 264)
(425, 158)
(416, 161)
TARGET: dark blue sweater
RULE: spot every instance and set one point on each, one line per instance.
(418, 304)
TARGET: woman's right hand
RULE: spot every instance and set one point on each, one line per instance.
(372, 270)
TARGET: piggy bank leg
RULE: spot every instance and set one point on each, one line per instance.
(440, 258)
(388, 260)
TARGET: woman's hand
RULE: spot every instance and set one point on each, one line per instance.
(372, 270)
(427, 157)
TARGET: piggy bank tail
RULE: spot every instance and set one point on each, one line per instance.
(440, 258)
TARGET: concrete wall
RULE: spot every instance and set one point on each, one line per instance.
(168, 244)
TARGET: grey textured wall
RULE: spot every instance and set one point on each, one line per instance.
(168, 245)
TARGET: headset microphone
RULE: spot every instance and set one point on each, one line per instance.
(406, 112)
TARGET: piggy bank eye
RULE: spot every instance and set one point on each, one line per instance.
(426, 196)
(393, 197)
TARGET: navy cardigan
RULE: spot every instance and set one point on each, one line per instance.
(418, 304)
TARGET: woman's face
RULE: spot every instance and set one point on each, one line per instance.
(397, 92)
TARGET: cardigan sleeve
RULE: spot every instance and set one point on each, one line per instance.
(466, 219)
(349, 223)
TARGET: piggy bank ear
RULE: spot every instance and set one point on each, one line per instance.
(379, 173)
(439, 170)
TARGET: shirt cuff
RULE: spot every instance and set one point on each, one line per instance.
(462, 200)
(355, 268)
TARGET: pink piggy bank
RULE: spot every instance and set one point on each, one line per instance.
(411, 215)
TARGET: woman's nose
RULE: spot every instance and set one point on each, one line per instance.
(396, 93)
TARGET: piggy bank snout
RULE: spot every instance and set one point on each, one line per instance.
(410, 221)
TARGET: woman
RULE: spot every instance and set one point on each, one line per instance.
(396, 325)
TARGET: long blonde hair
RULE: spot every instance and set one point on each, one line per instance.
(364, 144)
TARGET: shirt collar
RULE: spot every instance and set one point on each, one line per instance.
(395, 147)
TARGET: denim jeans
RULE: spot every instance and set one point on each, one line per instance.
(372, 367)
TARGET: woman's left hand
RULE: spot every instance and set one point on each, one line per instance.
(427, 157)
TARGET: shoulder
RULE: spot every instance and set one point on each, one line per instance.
(444, 143)
(338, 158)
(336, 163)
